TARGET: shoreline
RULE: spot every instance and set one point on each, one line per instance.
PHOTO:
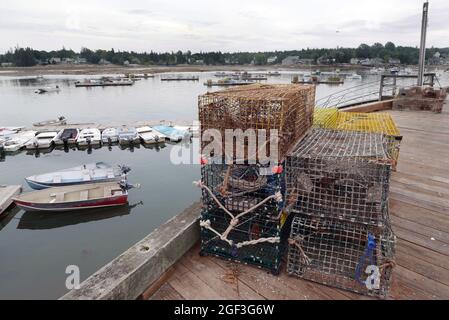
(89, 69)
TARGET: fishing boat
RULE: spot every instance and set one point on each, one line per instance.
(354, 76)
(89, 136)
(104, 83)
(66, 136)
(109, 135)
(78, 197)
(43, 140)
(47, 90)
(87, 173)
(60, 121)
(228, 82)
(172, 134)
(18, 141)
(148, 135)
(128, 135)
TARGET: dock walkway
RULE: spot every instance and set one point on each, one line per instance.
(419, 209)
(6, 195)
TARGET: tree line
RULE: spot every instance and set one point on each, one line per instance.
(407, 55)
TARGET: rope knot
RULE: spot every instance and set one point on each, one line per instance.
(278, 196)
(198, 183)
(234, 222)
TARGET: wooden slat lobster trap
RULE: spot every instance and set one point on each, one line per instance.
(285, 108)
(333, 119)
(243, 218)
(340, 174)
(341, 254)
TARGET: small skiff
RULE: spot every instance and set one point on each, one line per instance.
(87, 196)
(88, 173)
(128, 135)
(60, 121)
(66, 136)
(18, 141)
(172, 133)
(90, 136)
(148, 135)
(109, 135)
(43, 140)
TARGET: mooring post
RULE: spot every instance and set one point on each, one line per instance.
(381, 89)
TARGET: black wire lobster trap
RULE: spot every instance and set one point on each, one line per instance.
(243, 218)
(346, 255)
(340, 174)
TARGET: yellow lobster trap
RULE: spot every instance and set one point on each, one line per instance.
(332, 118)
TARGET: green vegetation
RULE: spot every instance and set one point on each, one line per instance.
(29, 57)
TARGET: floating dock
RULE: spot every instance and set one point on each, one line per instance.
(6, 195)
(180, 78)
(166, 264)
(103, 84)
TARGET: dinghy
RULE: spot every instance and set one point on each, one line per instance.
(90, 136)
(78, 197)
(128, 135)
(87, 173)
(47, 90)
(18, 141)
(173, 134)
(66, 136)
(43, 140)
(109, 135)
(60, 121)
(148, 135)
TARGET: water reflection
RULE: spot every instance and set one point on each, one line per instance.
(44, 221)
(7, 216)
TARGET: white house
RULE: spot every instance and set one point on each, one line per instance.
(271, 60)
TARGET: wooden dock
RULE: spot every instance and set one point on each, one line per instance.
(419, 209)
(6, 195)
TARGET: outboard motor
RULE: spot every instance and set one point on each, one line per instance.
(125, 186)
(65, 141)
(124, 169)
(2, 152)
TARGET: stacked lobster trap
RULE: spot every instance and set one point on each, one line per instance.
(243, 217)
(332, 118)
(337, 186)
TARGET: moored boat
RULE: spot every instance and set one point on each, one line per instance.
(128, 135)
(78, 197)
(43, 140)
(172, 134)
(89, 136)
(87, 173)
(109, 135)
(60, 121)
(18, 141)
(148, 135)
(66, 136)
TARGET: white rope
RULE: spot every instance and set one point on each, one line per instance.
(235, 220)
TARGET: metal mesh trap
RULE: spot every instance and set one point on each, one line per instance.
(340, 174)
(243, 215)
(340, 254)
(331, 118)
(286, 108)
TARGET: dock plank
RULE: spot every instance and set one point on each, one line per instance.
(6, 195)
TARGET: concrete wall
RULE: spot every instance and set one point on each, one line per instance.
(131, 273)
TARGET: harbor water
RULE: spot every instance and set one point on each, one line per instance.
(36, 248)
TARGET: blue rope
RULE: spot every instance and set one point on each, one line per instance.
(367, 254)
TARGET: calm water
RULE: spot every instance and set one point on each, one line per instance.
(35, 249)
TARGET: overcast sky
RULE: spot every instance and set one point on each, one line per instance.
(231, 25)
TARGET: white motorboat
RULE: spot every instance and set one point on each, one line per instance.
(18, 141)
(66, 136)
(47, 90)
(128, 135)
(43, 140)
(89, 136)
(172, 134)
(60, 121)
(148, 135)
(109, 135)
(86, 173)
